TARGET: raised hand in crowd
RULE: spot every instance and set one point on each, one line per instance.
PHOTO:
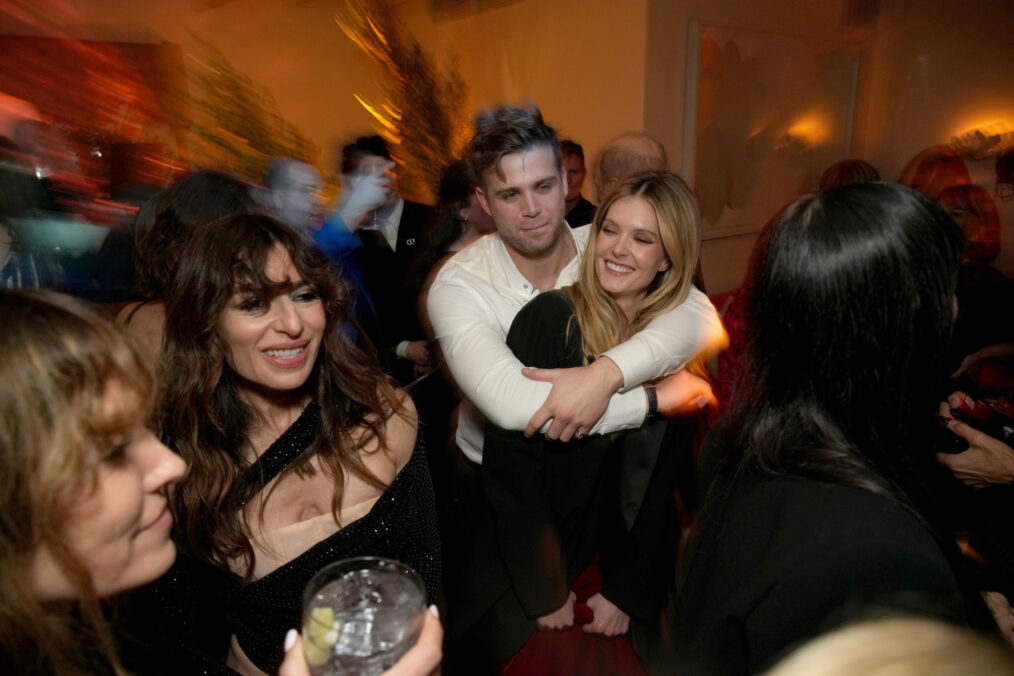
(365, 191)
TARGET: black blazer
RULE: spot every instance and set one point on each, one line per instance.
(392, 284)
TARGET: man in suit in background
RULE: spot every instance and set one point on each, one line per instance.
(579, 210)
(391, 237)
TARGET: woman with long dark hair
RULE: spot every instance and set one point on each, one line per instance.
(161, 231)
(819, 507)
(301, 452)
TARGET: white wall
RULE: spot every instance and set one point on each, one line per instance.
(931, 69)
(582, 62)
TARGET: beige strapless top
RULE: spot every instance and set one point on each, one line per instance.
(274, 548)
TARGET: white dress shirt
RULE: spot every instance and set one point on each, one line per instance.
(472, 303)
(389, 221)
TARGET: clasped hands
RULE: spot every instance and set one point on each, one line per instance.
(580, 396)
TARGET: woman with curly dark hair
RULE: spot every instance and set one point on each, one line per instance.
(301, 451)
(160, 232)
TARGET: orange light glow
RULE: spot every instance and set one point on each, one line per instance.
(812, 128)
(989, 124)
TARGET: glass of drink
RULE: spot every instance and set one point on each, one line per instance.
(361, 615)
(375, 166)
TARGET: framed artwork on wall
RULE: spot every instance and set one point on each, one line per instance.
(765, 114)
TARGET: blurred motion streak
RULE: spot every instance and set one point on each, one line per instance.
(424, 117)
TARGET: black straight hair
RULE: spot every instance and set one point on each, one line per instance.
(851, 309)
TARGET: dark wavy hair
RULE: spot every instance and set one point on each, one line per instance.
(507, 130)
(201, 414)
(162, 227)
(851, 310)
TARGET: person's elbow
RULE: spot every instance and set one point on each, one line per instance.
(507, 417)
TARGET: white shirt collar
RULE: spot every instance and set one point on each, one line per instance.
(511, 278)
(389, 223)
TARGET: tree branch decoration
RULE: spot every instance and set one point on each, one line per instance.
(424, 116)
(238, 127)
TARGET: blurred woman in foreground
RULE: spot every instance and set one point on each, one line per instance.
(82, 510)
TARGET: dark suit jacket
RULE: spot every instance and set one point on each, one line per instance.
(390, 279)
(582, 213)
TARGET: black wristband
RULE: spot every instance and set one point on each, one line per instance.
(652, 396)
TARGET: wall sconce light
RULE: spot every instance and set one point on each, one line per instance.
(985, 141)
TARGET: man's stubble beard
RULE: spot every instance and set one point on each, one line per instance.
(528, 249)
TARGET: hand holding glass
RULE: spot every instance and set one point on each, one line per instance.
(360, 615)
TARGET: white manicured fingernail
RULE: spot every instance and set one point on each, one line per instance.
(290, 639)
(433, 609)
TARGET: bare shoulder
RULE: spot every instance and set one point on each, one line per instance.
(147, 323)
(401, 429)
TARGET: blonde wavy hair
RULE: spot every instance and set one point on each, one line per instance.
(603, 324)
(899, 646)
(58, 361)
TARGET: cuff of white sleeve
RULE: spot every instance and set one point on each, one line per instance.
(402, 349)
(629, 358)
(626, 411)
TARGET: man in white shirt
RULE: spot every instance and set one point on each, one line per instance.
(474, 298)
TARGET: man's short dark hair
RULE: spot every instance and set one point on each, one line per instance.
(507, 130)
(354, 152)
(569, 148)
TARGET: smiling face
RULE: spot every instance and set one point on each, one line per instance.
(119, 529)
(629, 252)
(527, 204)
(272, 340)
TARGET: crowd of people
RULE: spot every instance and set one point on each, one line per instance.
(512, 394)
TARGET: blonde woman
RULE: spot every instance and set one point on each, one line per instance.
(82, 514)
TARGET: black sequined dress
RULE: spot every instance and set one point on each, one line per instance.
(192, 611)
